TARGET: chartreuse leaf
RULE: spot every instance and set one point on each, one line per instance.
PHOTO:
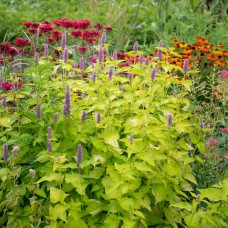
(212, 194)
(187, 84)
(94, 207)
(111, 139)
(59, 211)
(77, 181)
(126, 203)
(75, 222)
(183, 205)
(159, 192)
(112, 221)
(51, 177)
(4, 173)
(40, 192)
(6, 121)
(147, 156)
(129, 223)
(57, 195)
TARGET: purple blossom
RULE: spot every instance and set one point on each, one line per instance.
(49, 134)
(103, 39)
(79, 154)
(67, 101)
(83, 116)
(45, 50)
(82, 64)
(36, 58)
(185, 66)
(38, 111)
(94, 76)
(75, 65)
(98, 117)
(65, 55)
(136, 46)
(141, 59)
(110, 73)
(159, 54)
(63, 41)
(202, 125)
(153, 74)
(114, 57)
(100, 55)
(4, 103)
(5, 153)
(129, 76)
(160, 43)
(147, 60)
(49, 146)
(20, 121)
(170, 120)
(131, 138)
(55, 117)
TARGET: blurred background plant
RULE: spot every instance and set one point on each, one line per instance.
(144, 20)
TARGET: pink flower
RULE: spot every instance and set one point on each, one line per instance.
(224, 73)
(7, 85)
(82, 49)
(224, 130)
(212, 142)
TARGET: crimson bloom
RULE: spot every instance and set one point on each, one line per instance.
(21, 42)
(224, 130)
(212, 142)
(76, 33)
(7, 85)
(82, 49)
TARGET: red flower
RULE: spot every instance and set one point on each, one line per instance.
(108, 28)
(7, 85)
(76, 33)
(20, 84)
(51, 39)
(84, 23)
(121, 55)
(92, 60)
(212, 142)
(35, 24)
(32, 30)
(44, 27)
(66, 23)
(99, 26)
(57, 22)
(21, 42)
(56, 34)
(224, 130)
(82, 49)
(5, 47)
(13, 51)
(27, 24)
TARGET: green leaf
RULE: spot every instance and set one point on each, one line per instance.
(126, 203)
(59, 211)
(183, 205)
(51, 177)
(57, 195)
(40, 192)
(5, 122)
(212, 194)
(4, 173)
(94, 207)
(75, 222)
(77, 181)
(160, 192)
(111, 139)
(184, 145)
(187, 84)
(147, 156)
(142, 166)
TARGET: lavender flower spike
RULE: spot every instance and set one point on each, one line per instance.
(4, 103)
(185, 66)
(49, 135)
(65, 55)
(202, 125)
(114, 57)
(147, 60)
(49, 146)
(63, 41)
(103, 39)
(136, 46)
(94, 76)
(98, 117)
(67, 101)
(141, 59)
(45, 50)
(131, 138)
(160, 43)
(36, 58)
(170, 120)
(82, 64)
(110, 73)
(79, 154)
(38, 111)
(5, 153)
(55, 117)
(83, 116)
(100, 55)
(153, 74)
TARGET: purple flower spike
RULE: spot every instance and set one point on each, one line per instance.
(141, 59)
(67, 101)
(110, 73)
(167, 48)
(5, 153)
(49, 135)
(75, 65)
(136, 46)
(83, 116)
(185, 66)
(38, 111)
(65, 55)
(103, 39)
(4, 103)
(147, 60)
(36, 58)
(160, 43)
(129, 77)
(63, 41)
(49, 146)
(20, 121)
(170, 120)
(202, 125)
(55, 117)
(153, 74)
(131, 138)
(100, 55)
(79, 154)
(98, 117)
(159, 54)
(45, 50)
(114, 57)
(94, 76)
(82, 64)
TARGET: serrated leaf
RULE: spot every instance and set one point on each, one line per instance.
(159, 192)
(5, 122)
(111, 139)
(51, 177)
(126, 203)
(57, 195)
(187, 84)
(75, 221)
(183, 205)
(59, 211)
(40, 192)
(94, 207)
